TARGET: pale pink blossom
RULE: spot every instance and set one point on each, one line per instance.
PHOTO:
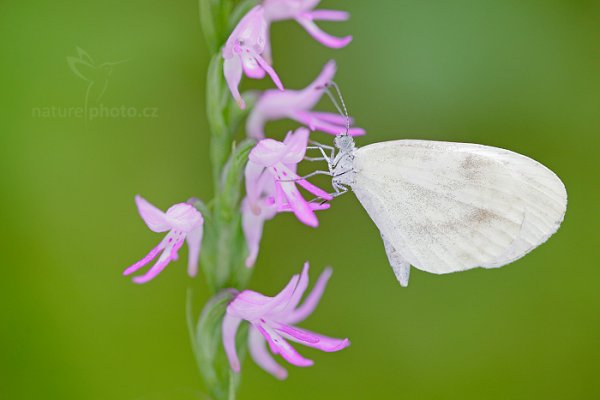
(303, 12)
(184, 223)
(272, 321)
(243, 53)
(278, 161)
(268, 186)
(298, 105)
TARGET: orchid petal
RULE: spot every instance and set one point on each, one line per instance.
(153, 217)
(232, 69)
(266, 53)
(164, 259)
(325, 76)
(310, 4)
(286, 175)
(251, 305)
(250, 30)
(279, 200)
(299, 206)
(314, 189)
(260, 355)
(300, 336)
(252, 225)
(353, 131)
(313, 206)
(184, 217)
(251, 67)
(296, 143)
(149, 257)
(255, 123)
(300, 289)
(312, 300)
(267, 152)
(273, 104)
(282, 298)
(329, 15)
(277, 10)
(254, 175)
(194, 242)
(324, 38)
(311, 339)
(332, 118)
(311, 120)
(307, 98)
(279, 345)
(229, 330)
(265, 65)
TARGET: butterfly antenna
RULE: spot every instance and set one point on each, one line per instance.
(343, 111)
(339, 93)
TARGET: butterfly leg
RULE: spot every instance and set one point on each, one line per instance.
(325, 147)
(324, 155)
(399, 265)
(318, 172)
(339, 190)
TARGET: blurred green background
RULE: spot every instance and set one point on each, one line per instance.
(518, 74)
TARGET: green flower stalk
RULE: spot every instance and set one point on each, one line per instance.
(224, 248)
(223, 234)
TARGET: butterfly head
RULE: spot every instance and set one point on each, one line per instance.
(344, 142)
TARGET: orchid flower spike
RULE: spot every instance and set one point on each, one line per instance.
(242, 53)
(184, 223)
(279, 161)
(298, 105)
(302, 11)
(271, 321)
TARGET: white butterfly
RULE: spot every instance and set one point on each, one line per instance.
(445, 207)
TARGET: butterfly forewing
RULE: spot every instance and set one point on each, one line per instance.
(448, 207)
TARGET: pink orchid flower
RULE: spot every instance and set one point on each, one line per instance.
(242, 53)
(184, 223)
(264, 189)
(279, 161)
(272, 320)
(302, 11)
(258, 206)
(298, 105)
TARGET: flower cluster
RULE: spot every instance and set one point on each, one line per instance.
(272, 186)
(272, 321)
(248, 49)
(184, 223)
(297, 105)
(271, 181)
(243, 52)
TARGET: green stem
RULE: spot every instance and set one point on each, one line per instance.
(224, 247)
(221, 381)
(215, 113)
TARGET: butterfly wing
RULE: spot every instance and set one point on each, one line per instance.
(444, 207)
